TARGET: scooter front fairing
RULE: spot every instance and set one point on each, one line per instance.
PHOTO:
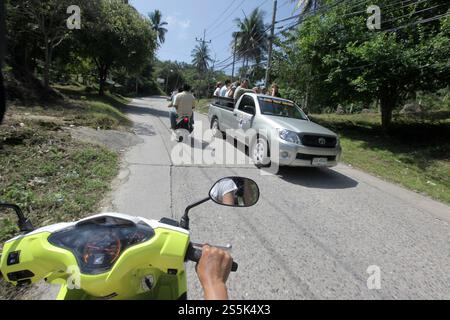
(109, 256)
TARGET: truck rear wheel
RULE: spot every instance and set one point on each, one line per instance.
(216, 129)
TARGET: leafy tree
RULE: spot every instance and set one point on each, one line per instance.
(21, 58)
(158, 25)
(2, 31)
(251, 37)
(114, 35)
(48, 23)
(2, 55)
(334, 59)
(187, 73)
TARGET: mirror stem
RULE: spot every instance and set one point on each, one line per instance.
(184, 222)
(24, 224)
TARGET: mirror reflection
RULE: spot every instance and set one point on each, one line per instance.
(235, 192)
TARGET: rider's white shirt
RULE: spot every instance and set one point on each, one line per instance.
(222, 188)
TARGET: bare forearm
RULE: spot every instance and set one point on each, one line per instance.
(216, 292)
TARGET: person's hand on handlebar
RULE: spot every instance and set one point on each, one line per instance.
(213, 270)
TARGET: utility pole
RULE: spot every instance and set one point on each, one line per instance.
(167, 80)
(234, 56)
(204, 42)
(211, 75)
(272, 35)
(204, 38)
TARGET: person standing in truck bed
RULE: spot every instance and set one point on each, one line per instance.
(217, 91)
(225, 88)
(275, 91)
(243, 88)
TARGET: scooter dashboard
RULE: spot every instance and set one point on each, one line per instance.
(97, 244)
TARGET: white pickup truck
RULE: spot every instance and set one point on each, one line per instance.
(301, 142)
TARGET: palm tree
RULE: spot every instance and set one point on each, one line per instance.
(201, 57)
(158, 25)
(252, 38)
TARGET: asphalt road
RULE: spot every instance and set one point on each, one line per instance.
(314, 233)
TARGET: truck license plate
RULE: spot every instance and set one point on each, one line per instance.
(320, 162)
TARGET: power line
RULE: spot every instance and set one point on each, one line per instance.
(303, 18)
(316, 11)
(415, 12)
(224, 19)
(245, 51)
(394, 4)
(419, 22)
(221, 15)
(322, 8)
(242, 52)
(221, 34)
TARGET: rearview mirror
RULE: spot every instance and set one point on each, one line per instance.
(235, 192)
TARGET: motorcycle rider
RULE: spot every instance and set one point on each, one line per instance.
(172, 110)
(185, 103)
(224, 192)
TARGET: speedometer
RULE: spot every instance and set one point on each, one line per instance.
(102, 249)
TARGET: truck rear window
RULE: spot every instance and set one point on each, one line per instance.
(281, 108)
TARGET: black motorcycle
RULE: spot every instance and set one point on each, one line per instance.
(183, 128)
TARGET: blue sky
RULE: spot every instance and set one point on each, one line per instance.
(188, 18)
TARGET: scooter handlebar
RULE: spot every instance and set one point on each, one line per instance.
(194, 255)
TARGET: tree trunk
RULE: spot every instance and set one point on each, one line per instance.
(2, 96)
(388, 102)
(103, 73)
(137, 86)
(306, 101)
(101, 89)
(47, 64)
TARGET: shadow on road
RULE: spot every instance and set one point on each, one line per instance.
(145, 110)
(317, 178)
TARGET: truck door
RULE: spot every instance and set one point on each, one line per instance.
(244, 115)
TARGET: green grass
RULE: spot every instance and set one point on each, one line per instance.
(203, 106)
(52, 177)
(91, 110)
(44, 170)
(415, 153)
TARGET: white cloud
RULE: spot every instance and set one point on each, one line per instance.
(176, 22)
(186, 24)
(179, 25)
